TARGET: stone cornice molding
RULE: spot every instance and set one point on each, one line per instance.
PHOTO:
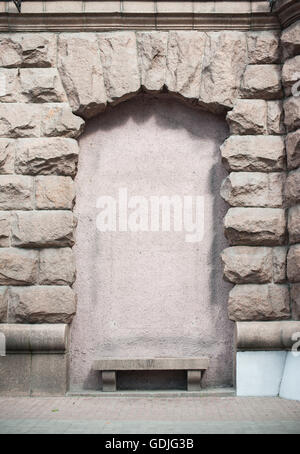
(98, 22)
(288, 11)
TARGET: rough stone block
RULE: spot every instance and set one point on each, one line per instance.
(292, 188)
(293, 263)
(255, 226)
(279, 264)
(292, 113)
(80, 68)
(294, 224)
(293, 149)
(262, 81)
(248, 116)
(263, 47)
(259, 302)
(290, 40)
(152, 56)
(184, 62)
(243, 264)
(43, 229)
(18, 267)
(118, 53)
(40, 85)
(10, 89)
(27, 50)
(41, 304)
(57, 156)
(291, 74)
(224, 63)
(19, 120)
(58, 120)
(254, 153)
(275, 124)
(57, 266)
(295, 299)
(253, 189)
(16, 192)
(5, 228)
(54, 192)
(7, 156)
(36, 120)
(3, 305)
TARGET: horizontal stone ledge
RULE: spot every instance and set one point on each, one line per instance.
(266, 335)
(61, 22)
(112, 364)
(35, 338)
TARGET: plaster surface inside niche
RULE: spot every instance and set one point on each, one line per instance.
(150, 293)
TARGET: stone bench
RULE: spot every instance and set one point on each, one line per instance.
(110, 366)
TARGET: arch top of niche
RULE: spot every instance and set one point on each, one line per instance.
(101, 69)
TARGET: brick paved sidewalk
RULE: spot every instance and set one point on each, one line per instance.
(125, 415)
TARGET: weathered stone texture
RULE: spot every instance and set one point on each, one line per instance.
(3, 305)
(39, 85)
(41, 304)
(184, 62)
(57, 266)
(293, 149)
(81, 71)
(292, 188)
(5, 228)
(244, 264)
(262, 81)
(248, 116)
(249, 264)
(255, 226)
(43, 229)
(291, 74)
(295, 301)
(57, 156)
(7, 156)
(223, 66)
(53, 192)
(152, 57)
(293, 263)
(275, 117)
(254, 153)
(58, 120)
(118, 53)
(9, 83)
(263, 47)
(36, 120)
(259, 302)
(292, 113)
(279, 264)
(27, 50)
(253, 189)
(16, 192)
(294, 224)
(18, 267)
(290, 40)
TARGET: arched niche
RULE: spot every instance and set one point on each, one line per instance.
(150, 293)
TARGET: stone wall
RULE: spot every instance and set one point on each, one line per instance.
(290, 40)
(50, 83)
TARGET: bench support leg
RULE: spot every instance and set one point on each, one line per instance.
(109, 381)
(194, 380)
